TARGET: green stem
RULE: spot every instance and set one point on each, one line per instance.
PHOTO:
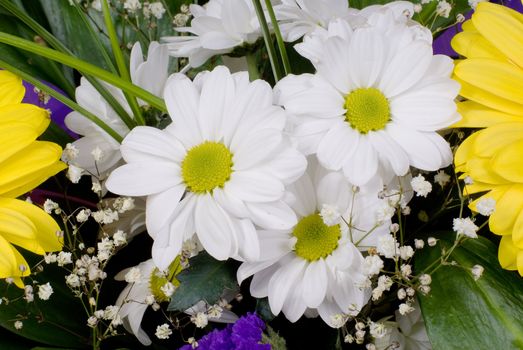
(83, 66)
(252, 66)
(68, 102)
(279, 38)
(120, 62)
(275, 64)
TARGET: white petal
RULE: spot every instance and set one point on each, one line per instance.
(327, 310)
(333, 189)
(287, 165)
(335, 63)
(283, 280)
(253, 186)
(363, 164)
(218, 41)
(144, 178)
(230, 203)
(315, 283)
(214, 227)
(303, 190)
(294, 306)
(260, 282)
(145, 143)
(248, 242)
(161, 206)
(338, 144)
(367, 54)
(273, 215)
(391, 151)
(256, 148)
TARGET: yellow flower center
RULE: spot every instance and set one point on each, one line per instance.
(159, 279)
(367, 110)
(315, 239)
(207, 166)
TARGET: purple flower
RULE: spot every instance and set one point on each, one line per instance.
(245, 334)
(43, 100)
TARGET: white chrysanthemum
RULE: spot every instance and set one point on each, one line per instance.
(314, 268)
(149, 75)
(217, 28)
(217, 170)
(373, 107)
(136, 297)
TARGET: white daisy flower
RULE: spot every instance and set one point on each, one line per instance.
(136, 297)
(217, 170)
(149, 75)
(314, 268)
(217, 28)
(378, 96)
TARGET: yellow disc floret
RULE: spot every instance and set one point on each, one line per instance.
(315, 240)
(207, 166)
(367, 110)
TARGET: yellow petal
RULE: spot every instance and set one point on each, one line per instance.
(480, 170)
(465, 153)
(508, 208)
(507, 253)
(17, 229)
(503, 30)
(509, 162)
(15, 136)
(495, 194)
(32, 165)
(496, 138)
(468, 26)
(475, 115)
(488, 99)
(11, 260)
(502, 79)
(12, 89)
(37, 117)
(474, 45)
(520, 262)
(517, 232)
(46, 227)
(478, 187)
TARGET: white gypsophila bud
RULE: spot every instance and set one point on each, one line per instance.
(168, 289)
(146, 10)
(384, 211)
(405, 308)
(119, 238)
(97, 154)
(9, 280)
(64, 258)
(123, 204)
(18, 325)
(443, 9)
(406, 252)
(372, 265)
(468, 180)
(110, 312)
(155, 306)
(157, 9)
(377, 293)
(214, 311)
(359, 326)
(424, 290)
(117, 320)
(460, 18)
(360, 335)
(99, 314)
(477, 272)
(425, 279)
(385, 282)
(192, 342)
(163, 331)
(83, 215)
(417, 8)
(349, 339)
(330, 214)
(97, 5)
(149, 300)
(92, 321)
(420, 186)
(73, 280)
(45, 291)
(28, 294)
(431, 241)
(465, 227)
(402, 294)
(96, 187)
(200, 320)
(486, 206)
(388, 246)
(106, 244)
(406, 270)
(474, 3)
(419, 243)
(132, 5)
(50, 206)
(411, 292)
(70, 152)
(393, 228)
(441, 178)
(377, 330)
(405, 210)
(134, 275)
(180, 19)
(74, 173)
(370, 346)
(50, 258)
(338, 320)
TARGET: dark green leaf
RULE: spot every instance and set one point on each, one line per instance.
(59, 321)
(264, 310)
(205, 279)
(461, 313)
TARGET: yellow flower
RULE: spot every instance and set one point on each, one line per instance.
(24, 164)
(491, 77)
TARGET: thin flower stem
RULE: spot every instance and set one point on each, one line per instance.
(279, 38)
(252, 66)
(65, 100)
(275, 64)
(120, 62)
(83, 66)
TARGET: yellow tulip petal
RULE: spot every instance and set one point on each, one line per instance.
(486, 98)
(15, 137)
(509, 162)
(503, 30)
(11, 260)
(46, 227)
(474, 45)
(508, 208)
(479, 169)
(17, 229)
(11, 87)
(496, 77)
(497, 138)
(475, 115)
(34, 164)
(35, 116)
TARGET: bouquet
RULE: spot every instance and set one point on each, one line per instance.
(248, 174)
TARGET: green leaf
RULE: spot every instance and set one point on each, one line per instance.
(264, 310)
(276, 341)
(205, 279)
(461, 313)
(59, 321)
